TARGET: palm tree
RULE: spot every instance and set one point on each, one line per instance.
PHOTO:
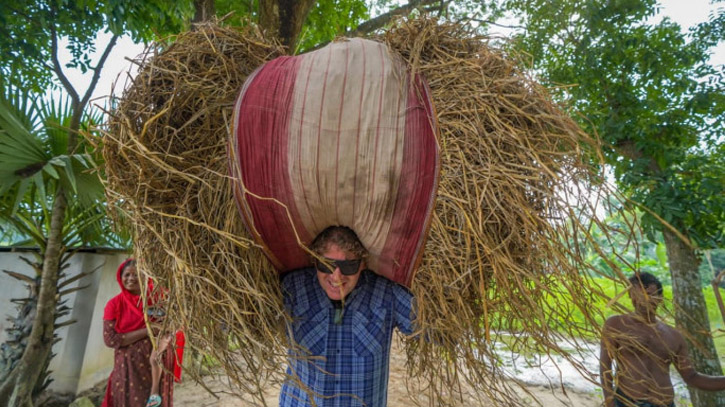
(49, 199)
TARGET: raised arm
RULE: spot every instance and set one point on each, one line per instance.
(683, 364)
(605, 364)
(403, 309)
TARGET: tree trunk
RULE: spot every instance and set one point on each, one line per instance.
(203, 10)
(691, 315)
(17, 388)
(283, 19)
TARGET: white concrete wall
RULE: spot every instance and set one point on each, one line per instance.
(81, 358)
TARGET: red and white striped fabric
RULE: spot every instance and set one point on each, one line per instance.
(338, 136)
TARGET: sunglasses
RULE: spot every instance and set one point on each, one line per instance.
(347, 267)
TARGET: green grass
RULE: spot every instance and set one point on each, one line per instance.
(667, 310)
(716, 321)
(598, 304)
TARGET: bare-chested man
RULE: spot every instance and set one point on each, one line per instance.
(643, 349)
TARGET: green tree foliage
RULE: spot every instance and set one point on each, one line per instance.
(329, 19)
(326, 19)
(628, 253)
(36, 163)
(634, 252)
(30, 29)
(648, 91)
(651, 96)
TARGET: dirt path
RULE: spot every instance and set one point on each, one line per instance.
(189, 394)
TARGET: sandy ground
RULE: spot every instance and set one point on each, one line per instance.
(188, 393)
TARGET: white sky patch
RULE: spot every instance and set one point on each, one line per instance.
(114, 70)
(688, 13)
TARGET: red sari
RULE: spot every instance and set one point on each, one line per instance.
(130, 382)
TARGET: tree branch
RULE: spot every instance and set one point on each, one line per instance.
(491, 22)
(58, 69)
(383, 19)
(97, 71)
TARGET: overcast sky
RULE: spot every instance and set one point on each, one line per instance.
(684, 12)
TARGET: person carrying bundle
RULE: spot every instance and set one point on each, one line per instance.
(343, 317)
(351, 143)
(643, 349)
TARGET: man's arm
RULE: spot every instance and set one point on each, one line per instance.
(605, 364)
(683, 364)
(404, 312)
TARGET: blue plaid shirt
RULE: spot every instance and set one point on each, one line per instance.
(353, 370)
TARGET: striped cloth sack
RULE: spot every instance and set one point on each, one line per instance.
(343, 135)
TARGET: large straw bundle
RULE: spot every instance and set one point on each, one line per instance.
(498, 258)
(166, 163)
(500, 255)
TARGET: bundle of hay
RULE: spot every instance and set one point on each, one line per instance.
(499, 258)
(501, 255)
(167, 176)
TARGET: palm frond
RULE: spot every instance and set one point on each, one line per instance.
(35, 163)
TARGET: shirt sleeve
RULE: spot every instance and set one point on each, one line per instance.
(287, 290)
(111, 338)
(404, 309)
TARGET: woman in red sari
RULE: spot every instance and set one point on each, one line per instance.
(124, 330)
